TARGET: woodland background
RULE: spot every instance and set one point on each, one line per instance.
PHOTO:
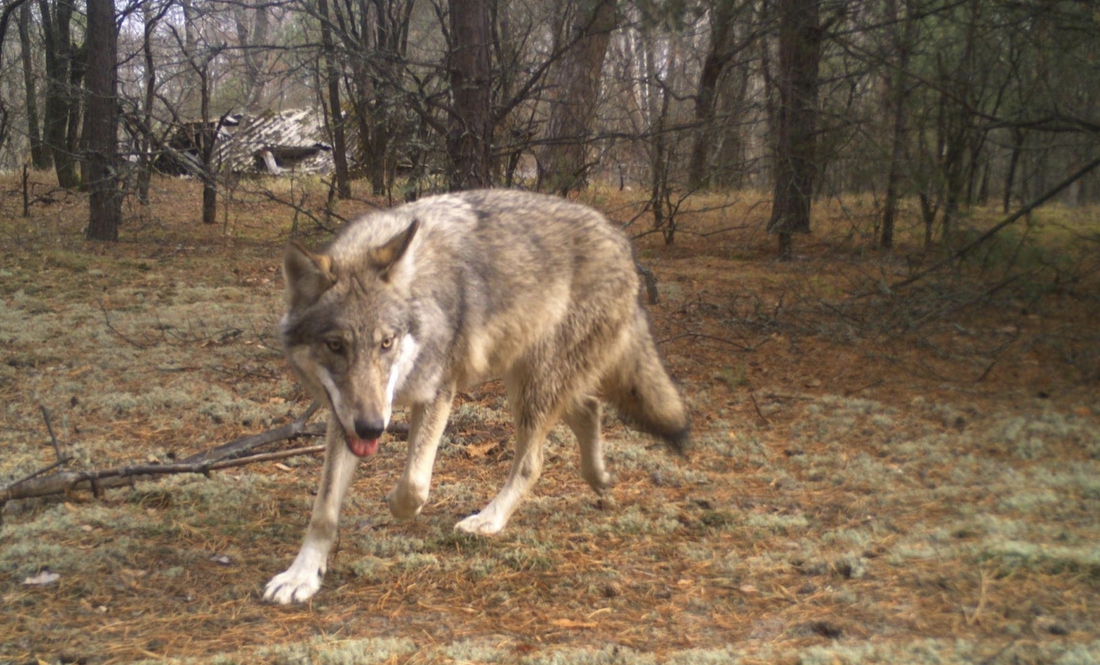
(950, 103)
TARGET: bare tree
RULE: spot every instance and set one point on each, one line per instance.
(101, 123)
(64, 70)
(563, 162)
(470, 135)
(796, 119)
(723, 47)
(255, 50)
(40, 157)
(900, 38)
(335, 110)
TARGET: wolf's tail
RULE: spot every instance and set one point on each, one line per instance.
(643, 392)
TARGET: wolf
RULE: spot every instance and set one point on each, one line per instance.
(408, 306)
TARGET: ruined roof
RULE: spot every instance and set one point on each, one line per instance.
(267, 142)
(295, 138)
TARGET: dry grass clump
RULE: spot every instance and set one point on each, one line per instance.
(855, 495)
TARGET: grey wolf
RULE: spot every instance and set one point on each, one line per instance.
(409, 305)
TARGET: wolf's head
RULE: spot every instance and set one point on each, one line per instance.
(349, 333)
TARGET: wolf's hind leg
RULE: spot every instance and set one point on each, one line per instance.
(533, 417)
(426, 423)
(583, 417)
(526, 468)
(303, 579)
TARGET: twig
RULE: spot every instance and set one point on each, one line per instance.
(756, 406)
(111, 328)
(53, 437)
(712, 338)
(873, 384)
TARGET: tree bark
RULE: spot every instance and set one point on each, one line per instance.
(56, 24)
(254, 52)
(469, 139)
(796, 120)
(718, 57)
(40, 157)
(1013, 163)
(101, 123)
(563, 161)
(209, 137)
(145, 147)
(336, 112)
(900, 41)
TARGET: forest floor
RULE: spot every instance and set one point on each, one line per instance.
(881, 474)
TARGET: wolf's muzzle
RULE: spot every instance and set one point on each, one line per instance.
(364, 442)
(368, 429)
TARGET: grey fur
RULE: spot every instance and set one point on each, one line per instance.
(411, 304)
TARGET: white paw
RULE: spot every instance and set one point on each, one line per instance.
(406, 501)
(296, 585)
(480, 525)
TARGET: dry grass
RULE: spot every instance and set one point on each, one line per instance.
(880, 477)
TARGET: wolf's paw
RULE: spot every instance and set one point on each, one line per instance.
(406, 500)
(296, 585)
(479, 525)
(599, 480)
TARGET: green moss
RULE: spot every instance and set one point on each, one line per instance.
(608, 655)
(1050, 559)
(330, 651)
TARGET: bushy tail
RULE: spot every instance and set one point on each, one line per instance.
(643, 392)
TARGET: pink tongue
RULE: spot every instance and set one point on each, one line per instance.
(362, 447)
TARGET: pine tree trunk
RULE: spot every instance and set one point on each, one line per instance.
(796, 120)
(101, 123)
(40, 156)
(470, 136)
(56, 23)
(718, 56)
(336, 112)
(563, 161)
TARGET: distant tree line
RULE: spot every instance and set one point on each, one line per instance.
(949, 103)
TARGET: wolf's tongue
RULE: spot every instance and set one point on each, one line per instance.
(362, 447)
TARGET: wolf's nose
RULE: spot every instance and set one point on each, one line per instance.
(367, 429)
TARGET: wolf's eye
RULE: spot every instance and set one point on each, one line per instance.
(387, 343)
(335, 345)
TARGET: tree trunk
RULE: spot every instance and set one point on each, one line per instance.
(563, 161)
(336, 112)
(101, 123)
(897, 96)
(254, 51)
(208, 140)
(40, 156)
(56, 22)
(145, 157)
(470, 136)
(718, 56)
(796, 119)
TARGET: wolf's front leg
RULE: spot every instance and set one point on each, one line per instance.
(426, 424)
(299, 582)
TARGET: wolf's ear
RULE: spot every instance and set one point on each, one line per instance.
(386, 257)
(307, 275)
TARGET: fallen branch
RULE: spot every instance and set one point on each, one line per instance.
(234, 453)
(230, 454)
(100, 480)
